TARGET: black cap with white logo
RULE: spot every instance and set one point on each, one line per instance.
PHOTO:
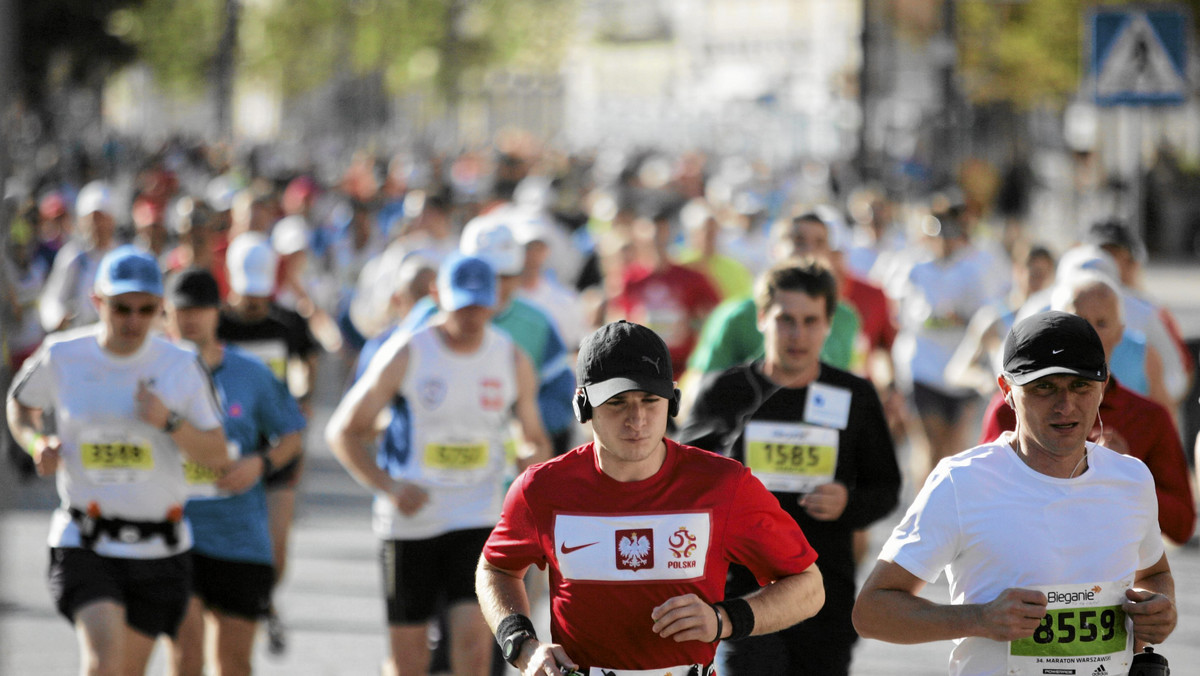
(1050, 343)
(620, 357)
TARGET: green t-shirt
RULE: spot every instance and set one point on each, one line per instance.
(731, 337)
(730, 277)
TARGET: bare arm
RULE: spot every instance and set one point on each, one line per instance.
(777, 606)
(205, 447)
(888, 609)
(528, 416)
(501, 593)
(247, 470)
(788, 601)
(1151, 604)
(1155, 383)
(25, 424)
(351, 429)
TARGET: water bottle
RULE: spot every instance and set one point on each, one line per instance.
(1149, 663)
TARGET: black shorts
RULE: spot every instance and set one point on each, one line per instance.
(931, 401)
(154, 592)
(233, 587)
(418, 575)
(287, 476)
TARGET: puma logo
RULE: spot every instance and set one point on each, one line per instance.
(653, 362)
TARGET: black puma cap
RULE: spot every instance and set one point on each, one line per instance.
(624, 356)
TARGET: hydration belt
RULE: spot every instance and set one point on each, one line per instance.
(91, 524)
(682, 670)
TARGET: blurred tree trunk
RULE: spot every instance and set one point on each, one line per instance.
(224, 70)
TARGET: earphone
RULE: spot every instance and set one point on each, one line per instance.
(583, 407)
(1008, 400)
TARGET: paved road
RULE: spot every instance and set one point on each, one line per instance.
(331, 598)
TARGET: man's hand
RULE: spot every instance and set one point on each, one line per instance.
(685, 618)
(545, 659)
(242, 475)
(46, 452)
(1014, 614)
(1154, 616)
(826, 502)
(150, 408)
(409, 498)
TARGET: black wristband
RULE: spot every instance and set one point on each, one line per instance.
(741, 617)
(720, 624)
(514, 624)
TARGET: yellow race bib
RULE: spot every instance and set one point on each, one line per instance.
(791, 457)
(457, 456)
(117, 456)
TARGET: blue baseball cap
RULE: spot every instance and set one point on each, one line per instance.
(464, 281)
(128, 269)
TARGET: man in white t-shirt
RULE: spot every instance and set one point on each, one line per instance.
(464, 381)
(113, 412)
(1050, 543)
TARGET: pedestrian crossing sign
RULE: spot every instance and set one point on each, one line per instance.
(1139, 55)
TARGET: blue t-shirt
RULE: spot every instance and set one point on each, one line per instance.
(257, 409)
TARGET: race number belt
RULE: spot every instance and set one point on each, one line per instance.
(118, 461)
(682, 670)
(1083, 630)
(92, 524)
(791, 457)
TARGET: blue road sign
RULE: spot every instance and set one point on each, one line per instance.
(1139, 55)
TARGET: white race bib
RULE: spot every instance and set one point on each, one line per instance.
(1084, 632)
(791, 457)
(827, 406)
(115, 456)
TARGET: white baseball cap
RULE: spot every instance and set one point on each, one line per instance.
(491, 239)
(290, 235)
(251, 262)
(93, 197)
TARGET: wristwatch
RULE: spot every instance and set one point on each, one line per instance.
(174, 420)
(511, 648)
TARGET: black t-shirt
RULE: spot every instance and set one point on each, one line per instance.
(282, 335)
(866, 463)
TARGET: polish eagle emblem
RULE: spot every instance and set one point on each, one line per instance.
(634, 550)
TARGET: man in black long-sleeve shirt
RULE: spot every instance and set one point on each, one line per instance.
(817, 438)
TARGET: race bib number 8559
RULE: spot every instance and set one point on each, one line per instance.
(1083, 629)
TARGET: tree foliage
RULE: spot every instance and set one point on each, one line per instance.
(300, 44)
(1028, 53)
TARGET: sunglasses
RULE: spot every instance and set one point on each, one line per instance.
(126, 310)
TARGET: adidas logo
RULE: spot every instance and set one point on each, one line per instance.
(1100, 671)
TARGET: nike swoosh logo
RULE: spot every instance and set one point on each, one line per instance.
(567, 550)
(1056, 351)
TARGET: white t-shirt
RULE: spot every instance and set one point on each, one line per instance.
(928, 337)
(129, 468)
(460, 407)
(991, 522)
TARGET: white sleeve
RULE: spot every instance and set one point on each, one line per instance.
(927, 539)
(33, 385)
(201, 407)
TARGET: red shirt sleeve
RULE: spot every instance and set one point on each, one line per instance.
(763, 537)
(515, 542)
(998, 417)
(1164, 456)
